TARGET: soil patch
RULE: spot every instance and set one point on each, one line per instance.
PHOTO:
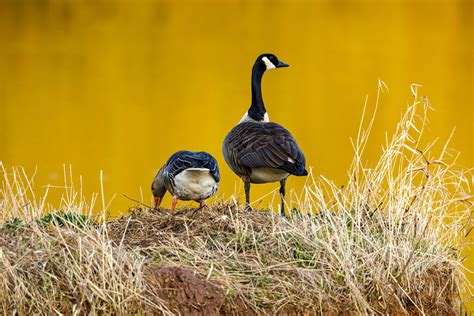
(185, 292)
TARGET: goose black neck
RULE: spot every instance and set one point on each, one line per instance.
(257, 108)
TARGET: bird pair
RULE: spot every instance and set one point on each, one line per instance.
(257, 150)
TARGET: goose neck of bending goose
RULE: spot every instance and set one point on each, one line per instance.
(159, 187)
(257, 109)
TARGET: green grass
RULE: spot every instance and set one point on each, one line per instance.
(61, 218)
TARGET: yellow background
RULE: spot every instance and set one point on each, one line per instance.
(120, 85)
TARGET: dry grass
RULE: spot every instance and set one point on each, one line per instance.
(388, 242)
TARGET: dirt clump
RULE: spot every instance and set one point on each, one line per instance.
(185, 292)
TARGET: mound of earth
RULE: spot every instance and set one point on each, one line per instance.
(244, 244)
(185, 292)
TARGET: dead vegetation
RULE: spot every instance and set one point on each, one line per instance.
(390, 241)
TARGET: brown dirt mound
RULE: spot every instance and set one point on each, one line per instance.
(239, 246)
(185, 292)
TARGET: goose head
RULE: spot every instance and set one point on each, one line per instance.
(257, 111)
(269, 62)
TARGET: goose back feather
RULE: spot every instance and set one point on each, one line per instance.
(188, 164)
(251, 145)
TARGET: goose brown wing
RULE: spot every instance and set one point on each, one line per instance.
(267, 145)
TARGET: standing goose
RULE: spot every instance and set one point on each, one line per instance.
(187, 176)
(260, 151)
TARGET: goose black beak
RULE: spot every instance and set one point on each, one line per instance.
(282, 64)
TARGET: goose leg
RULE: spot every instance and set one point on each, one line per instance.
(202, 204)
(174, 201)
(247, 192)
(282, 195)
(157, 202)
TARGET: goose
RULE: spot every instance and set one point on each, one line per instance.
(260, 151)
(188, 176)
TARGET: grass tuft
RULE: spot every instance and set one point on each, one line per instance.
(61, 218)
(389, 241)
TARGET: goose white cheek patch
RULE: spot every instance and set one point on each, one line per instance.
(268, 63)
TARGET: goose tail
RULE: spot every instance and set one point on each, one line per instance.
(295, 168)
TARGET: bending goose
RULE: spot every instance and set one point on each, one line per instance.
(257, 150)
(187, 176)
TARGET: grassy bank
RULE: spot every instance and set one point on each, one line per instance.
(390, 241)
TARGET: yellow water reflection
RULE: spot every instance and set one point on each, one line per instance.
(120, 85)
